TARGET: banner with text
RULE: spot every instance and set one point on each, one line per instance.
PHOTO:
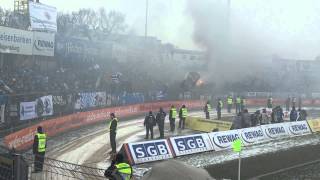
(183, 145)
(252, 135)
(15, 41)
(274, 131)
(43, 44)
(43, 17)
(149, 151)
(223, 140)
(28, 110)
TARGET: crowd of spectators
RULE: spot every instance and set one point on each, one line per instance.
(245, 119)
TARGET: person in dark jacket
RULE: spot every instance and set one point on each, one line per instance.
(172, 118)
(255, 118)
(279, 114)
(302, 115)
(113, 132)
(219, 108)
(207, 109)
(149, 122)
(293, 114)
(39, 149)
(236, 122)
(161, 115)
(246, 119)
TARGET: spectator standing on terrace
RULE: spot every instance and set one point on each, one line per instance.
(293, 114)
(160, 117)
(302, 115)
(255, 118)
(207, 109)
(264, 117)
(279, 114)
(172, 118)
(113, 132)
(236, 122)
(183, 113)
(39, 149)
(246, 119)
(149, 122)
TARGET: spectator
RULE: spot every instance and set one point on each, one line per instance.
(246, 119)
(236, 121)
(293, 114)
(264, 117)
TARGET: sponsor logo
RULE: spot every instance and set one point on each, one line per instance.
(150, 151)
(297, 129)
(224, 141)
(275, 131)
(252, 135)
(190, 144)
(43, 45)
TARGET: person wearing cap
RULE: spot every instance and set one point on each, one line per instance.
(113, 132)
(160, 117)
(149, 122)
(39, 149)
(119, 169)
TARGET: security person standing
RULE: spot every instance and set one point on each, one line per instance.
(207, 109)
(183, 113)
(39, 149)
(113, 132)
(229, 102)
(238, 104)
(219, 108)
(149, 122)
(160, 117)
(119, 169)
(172, 118)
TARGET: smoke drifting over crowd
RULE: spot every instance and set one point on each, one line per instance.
(240, 37)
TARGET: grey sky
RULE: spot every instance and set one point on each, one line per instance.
(288, 27)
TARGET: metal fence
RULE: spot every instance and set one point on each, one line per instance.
(59, 170)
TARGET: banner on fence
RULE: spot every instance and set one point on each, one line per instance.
(44, 106)
(92, 99)
(28, 110)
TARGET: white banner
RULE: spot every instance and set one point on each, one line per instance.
(183, 145)
(44, 106)
(15, 41)
(298, 128)
(273, 131)
(2, 108)
(223, 140)
(252, 135)
(43, 17)
(28, 110)
(148, 151)
(43, 44)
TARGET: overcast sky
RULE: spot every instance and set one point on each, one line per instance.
(289, 27)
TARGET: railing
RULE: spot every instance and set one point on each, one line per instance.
(60, 170)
